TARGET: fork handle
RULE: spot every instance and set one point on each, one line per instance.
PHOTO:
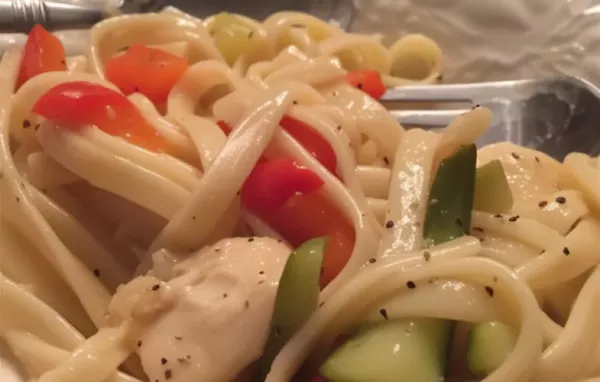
(22, 15)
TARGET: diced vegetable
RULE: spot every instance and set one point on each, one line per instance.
(311, 215)
(305, 215)
(492, 192)
(368, 81)
(43, 52)
(396, 350)
(78, 104)
(312, 141)
(146, 70)
(297, 297)
(231, 37)
(488, 346)
(272, 182)
(451, 198)
(409, 349)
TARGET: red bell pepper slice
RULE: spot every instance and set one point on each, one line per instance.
(368, 81)
(312, 141)
(77, 104)
(282, 194)
(146, 70)
(306, 216)
(43, 52)
(272, 182)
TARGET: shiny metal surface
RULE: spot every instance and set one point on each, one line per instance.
(21, 15)
(555, 116)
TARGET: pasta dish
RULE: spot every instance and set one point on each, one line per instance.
(226, 200)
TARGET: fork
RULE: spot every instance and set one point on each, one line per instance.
(556, 116)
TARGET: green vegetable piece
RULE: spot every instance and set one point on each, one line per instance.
(231, 37)
(492, 192)
(414, 349)
(451, 198)
(395, 350)
(297, 297)
(488, 345)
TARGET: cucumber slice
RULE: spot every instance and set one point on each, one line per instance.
(492, 192)
(297, 297)
(397, 350)
(488, 345)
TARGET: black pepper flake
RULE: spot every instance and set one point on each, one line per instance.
(321, 303)
(386, 160)
(372, 260)
(489, 290)
(295, 102)
(217, 249)
(188, 357)
(383, 313)
(139, 343)
(260, 282)
(182, 360)
(178, 338)
(561, 200)
(63, 62)
(246, 304)
(26, 124)
(225, 295)
(37, 126)
(495, 279)
(251, 34)
(277, 331)
(542, 204)
(261, 272)
(155, 287)
(411, 284)
(427, 255)
(279, 241)
(359, 85)
(163, 361)
(194, 217)
(168, 374)
(513, 218)
(389, 224)
(566, 251)
(18, 199)
(499, 216)
(537, 159)
(238, 193)
(334, 94)
(250, 239)
(97, 272)
(477, 229)
(339, 128)
(516, 156)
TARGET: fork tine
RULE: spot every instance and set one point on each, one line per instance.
(452, 92)
(426, 118)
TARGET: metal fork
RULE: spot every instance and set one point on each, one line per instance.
(556, 116)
